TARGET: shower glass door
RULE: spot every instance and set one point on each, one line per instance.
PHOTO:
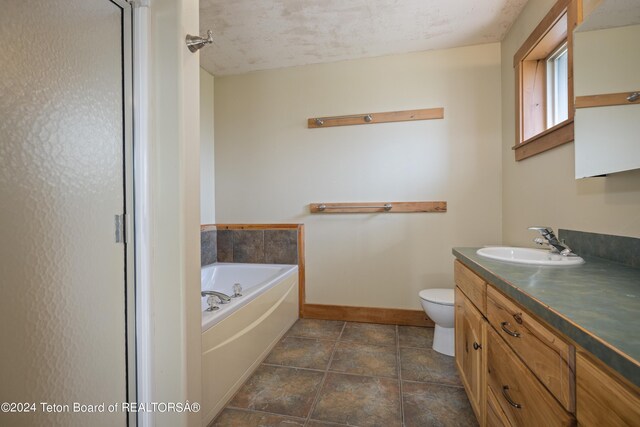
(64, 175)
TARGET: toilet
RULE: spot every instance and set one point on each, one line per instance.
(438, 304)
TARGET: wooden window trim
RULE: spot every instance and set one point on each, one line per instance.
(561, 133)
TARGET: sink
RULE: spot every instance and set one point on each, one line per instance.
(528, 256)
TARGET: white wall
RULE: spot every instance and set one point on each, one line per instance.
(542, 190)
(175, 212)
(269, 166)
(207, 173)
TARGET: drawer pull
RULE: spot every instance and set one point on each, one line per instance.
(476, 346)
(512, 333)
(505, 393)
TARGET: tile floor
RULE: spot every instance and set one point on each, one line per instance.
(327, 373)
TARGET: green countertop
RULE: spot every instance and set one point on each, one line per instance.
(596, 304)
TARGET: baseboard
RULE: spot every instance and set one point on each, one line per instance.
(390, 316)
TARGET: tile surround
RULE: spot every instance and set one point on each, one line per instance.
(248, 246)
(225, 246)
(208, 247)
(281, 246)
(326, 373)
(268, 246)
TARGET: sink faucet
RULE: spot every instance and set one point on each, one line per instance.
(549, 238)
(223, 298)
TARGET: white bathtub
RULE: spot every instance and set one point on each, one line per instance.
(238, 336)
(255, 279)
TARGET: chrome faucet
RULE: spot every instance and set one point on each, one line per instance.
(550, 239)
(223, 298)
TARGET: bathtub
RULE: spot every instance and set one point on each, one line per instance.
(255, 279)
(238, 336)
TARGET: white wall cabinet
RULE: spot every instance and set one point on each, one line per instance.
(606, 62)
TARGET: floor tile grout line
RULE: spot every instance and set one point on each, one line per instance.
(306, 337)
(434, 383)
(275, 365)
(399, 375)
(324, 377)
(260, 411)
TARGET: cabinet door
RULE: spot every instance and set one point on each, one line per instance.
(602, 398)
(470, 332)
(606, 137)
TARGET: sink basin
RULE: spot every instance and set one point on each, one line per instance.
(528, 256)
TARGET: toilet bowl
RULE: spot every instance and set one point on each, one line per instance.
(438, 304)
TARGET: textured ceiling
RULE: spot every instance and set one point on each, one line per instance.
(254, 35)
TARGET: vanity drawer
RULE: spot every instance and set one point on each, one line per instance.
(495, 415)
(471, 284)
(550, 358)
(522, 398)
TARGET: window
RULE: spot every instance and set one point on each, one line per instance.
(544, 73)
(558, 86)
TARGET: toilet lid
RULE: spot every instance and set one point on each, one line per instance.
(438, 296)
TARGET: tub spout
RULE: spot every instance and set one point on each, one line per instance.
(224, 298)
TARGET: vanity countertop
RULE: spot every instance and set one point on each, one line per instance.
(596, 304)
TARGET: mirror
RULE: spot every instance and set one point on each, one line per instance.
(606, 80)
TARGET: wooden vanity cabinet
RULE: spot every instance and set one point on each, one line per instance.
(470, 327)
(495, 416)
(533, 363)
(519, 371)
(549, 358)
(472, 285)
(522, 398)
(604, 399)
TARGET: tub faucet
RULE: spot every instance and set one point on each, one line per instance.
(223, 298)
(549, 238)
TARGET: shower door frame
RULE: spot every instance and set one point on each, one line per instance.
(129, 206)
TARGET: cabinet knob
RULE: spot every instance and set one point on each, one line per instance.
(476, 346)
